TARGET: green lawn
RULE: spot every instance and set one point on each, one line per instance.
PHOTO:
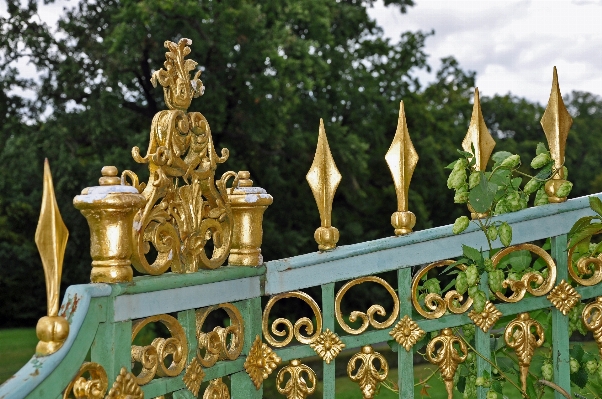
(17, 346)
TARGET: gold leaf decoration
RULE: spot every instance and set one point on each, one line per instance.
(125, 387)
(519, 336)
(564, 297)
(260, 362)
(407, 332)
(367, 376)
(592, 318)
(487, 318)
(216, 390)
(93, 387)
(296, 387)
(193, 378)
(222, 343)
(440, 351)
(327, 345)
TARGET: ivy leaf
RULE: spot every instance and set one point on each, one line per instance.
(596, 205)
(481, 197)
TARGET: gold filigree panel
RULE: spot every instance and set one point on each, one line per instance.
(368, 376)
(222, 343)
(447, 351)
(260, 362)
(487, 318)
(407, 332)
(587, 270)
(524, 335)
(327, 345)
(93, 387)
(564, 297)
(301, 380)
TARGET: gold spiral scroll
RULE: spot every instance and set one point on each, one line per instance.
(368, 317)
(441, 351)
(296, 387)
(592, 318)
(522, 286)
(93, 387)
(434, 302)
(291, 330)
(367, 376)
(223, 343)
(587, 265)
(518, 336)
(216, 390)
(152, 357)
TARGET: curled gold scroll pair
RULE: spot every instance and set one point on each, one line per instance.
(296, 387)
(587, 270)
(434, 302)
(533, 282)
(368, 376)
(368, 316)
(442, 352)
(222, 343)
(152, 357)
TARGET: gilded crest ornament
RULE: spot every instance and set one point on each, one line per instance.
(407, 332)
(440, 351)
(367, 375)
(296, 387)
(193, 378)
(524, 335)
(93, 387)
(260, 362)
(487, 318)
(592, 318)
(327, 345)
(216, 390)
(125, 387)
(564, 297)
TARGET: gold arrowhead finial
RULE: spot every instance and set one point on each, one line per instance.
(478, 136)
(51, 240)
(402, 159)
(324, 178)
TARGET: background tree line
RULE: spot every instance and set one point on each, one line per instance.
(271, 70)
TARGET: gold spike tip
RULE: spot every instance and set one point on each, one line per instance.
(324, 178)
(51, 240)
(402, 159)
(478, 136)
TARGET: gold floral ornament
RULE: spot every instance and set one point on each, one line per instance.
(216, 390)
(564, 297)
(436, 306)
(193, 378)
(487, 318)
(51, 239)
(222, 343)
(402, 159)
(324, 178)
(289, 330)
(556, 122)
(327, 345)
(407, 332)
(93, 387)
(296, 387)
(125, 387)
(533, 282)
(587, 270)
(368, 376)
(153, 356)
(524, 335)
(186, 209)
(592, 318)
(260, 362)
(441, 351)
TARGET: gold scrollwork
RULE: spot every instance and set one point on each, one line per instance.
(125, 387)
(93, 387)
(592, 318)
(520, 337)
(223, 343)
(586, 265)
(291, 330)
(487, 318)
(524, 285)
(441, 351)
(434, 302)
(260, 362)
(296, 387)
(368, 317)
(216, 390)
(152, 357)
(327, 345)
(367, 376)
(407, 332)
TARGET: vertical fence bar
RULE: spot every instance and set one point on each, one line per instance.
(560, 323)
(187, 319)
(405, 359)
(483, 341)
(242, 387)
(328, 375)
(112, 347)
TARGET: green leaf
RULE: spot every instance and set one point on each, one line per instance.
(576, 351)
(580, 378)
(461, 383)
(584, 232)
(541, 148)
(596, 204)
(497, 387)
(481, 197)
(517, 261)
(451, 165)
(471, 253)
(499, 156)
(531, 392)
(545, 172)
(580, 224)
(516, 182)
(465, 154)
(500, 177)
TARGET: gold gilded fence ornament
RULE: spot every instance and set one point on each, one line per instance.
(441, 352)
(556, 123)
(327, 345)
(125, 387)
(436, 305)
(524, 335)
(487, 318)
(368, 376)
(564, 297)
(93, 387)
(216, 390)
(402, 159)
(407, 332)
(193, 378)
(296, 387)
(222, 343)
(592, 318)
(260, 362)
(367, 317)
(587, 270)
(187, 210)
(51, 239)
(153, 356)
(324, 178)
(289, 330)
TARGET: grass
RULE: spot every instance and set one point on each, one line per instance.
(17, 346)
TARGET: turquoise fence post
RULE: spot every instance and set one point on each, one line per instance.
(187, 319)
(483, 342)
(328, 375)
(112, 347)
(560, 322)
(405, 359)
(242, 387)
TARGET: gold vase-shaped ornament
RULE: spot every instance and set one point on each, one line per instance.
(248, 204)
(109, 210)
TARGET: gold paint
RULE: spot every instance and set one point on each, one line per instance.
(367, 376)
(248, 204)
(556, 122)
(324, 178)
(564, 297)
(407, 332)
(260, 362)
(402, 159)
(216, 390)
(518, 336)
(193, 378)
(93, 387)
(327, 345)
(592, 318)
(152, 357)
(186, 209)
(440, 351)
(487, 318)
(109, 210)
(525, 284)
(223, 343)
(289, 330)
(585, 266)
(434, 302)
(51, 239)
(368, 317)
(125, 387)
(296, 387)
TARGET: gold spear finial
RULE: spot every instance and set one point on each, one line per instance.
(402, 159)
(478, 136)
(324, 178)
(51, 240)
(556, 123)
